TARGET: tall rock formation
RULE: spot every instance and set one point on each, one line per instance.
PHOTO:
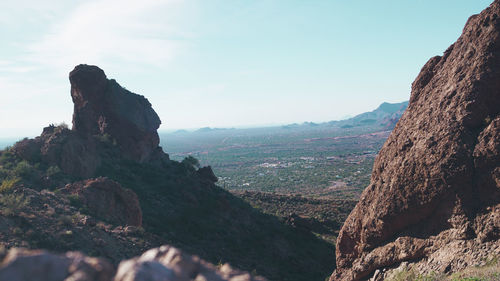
(102, 106)
(436, 182)
(103, 111)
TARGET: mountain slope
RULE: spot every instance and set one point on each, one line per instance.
(114, 135)
(384, 116)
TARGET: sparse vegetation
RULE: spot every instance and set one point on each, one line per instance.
(8, 184)
(490, 271)
(191, 162)
(12, 203)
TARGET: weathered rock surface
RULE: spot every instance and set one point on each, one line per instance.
(169, 263)
(436, 181)
(59, 146)
(452, 257)
(165, 263)
(107, 199)
(102, 106)
(103, 112)
(21, 264)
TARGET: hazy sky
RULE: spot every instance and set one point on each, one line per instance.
(221, 63)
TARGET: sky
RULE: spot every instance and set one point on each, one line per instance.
(221, 63)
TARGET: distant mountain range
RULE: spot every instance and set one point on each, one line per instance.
(385, 116)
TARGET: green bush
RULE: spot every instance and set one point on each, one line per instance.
(8, 184)
(53, 171)
(12, 203)
(74, 200)
(191, 162)
(24, 170)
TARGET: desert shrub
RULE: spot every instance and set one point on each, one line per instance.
(74, 200)
(53, 171)
(62, 125)
(12, 203)
(107, 139)
(24, 170)
(65, 220)
(8, 184)
(191, 162)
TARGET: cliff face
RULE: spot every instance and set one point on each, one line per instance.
(437, 178)
(102, 106)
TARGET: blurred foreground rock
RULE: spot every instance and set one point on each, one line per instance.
(165, 263)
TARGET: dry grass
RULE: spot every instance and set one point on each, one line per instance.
(488, 272)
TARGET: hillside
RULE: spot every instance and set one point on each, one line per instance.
(114, 136)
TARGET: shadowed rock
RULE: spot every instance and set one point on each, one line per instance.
(22, 264)
(102, 106)
(437, 178)
(62, 147)
(165, 263)
(108, 200)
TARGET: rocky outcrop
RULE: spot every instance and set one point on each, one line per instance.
(107, 199)
(103, 107)
(207, 173)
(164, 263)
(104, 112)
(59, 146)
(436, 180)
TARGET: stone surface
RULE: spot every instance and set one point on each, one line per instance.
(107, 199)
(22, 264)
(59, 146)
(437, 178)
(168, 263)
(165, 263)
(103, 107)
(207, 173)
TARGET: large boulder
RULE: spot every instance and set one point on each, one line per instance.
(103, 107)
(171, 264)
(436, 180)
(165, 263)
(108, 200)
(23, 264)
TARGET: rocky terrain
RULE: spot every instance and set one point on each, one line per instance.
(433, 202)
(163, 263)
(105, 188)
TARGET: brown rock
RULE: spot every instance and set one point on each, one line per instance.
(57, 145)
(102, 106)
(168, 263)
(22, 264)
(436, 179)
(108, 200)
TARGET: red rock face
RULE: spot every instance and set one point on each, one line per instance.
(108, 200)
(437, 178)
(102, 106)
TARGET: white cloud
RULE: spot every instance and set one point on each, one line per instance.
(107, 31)
(44, 40)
